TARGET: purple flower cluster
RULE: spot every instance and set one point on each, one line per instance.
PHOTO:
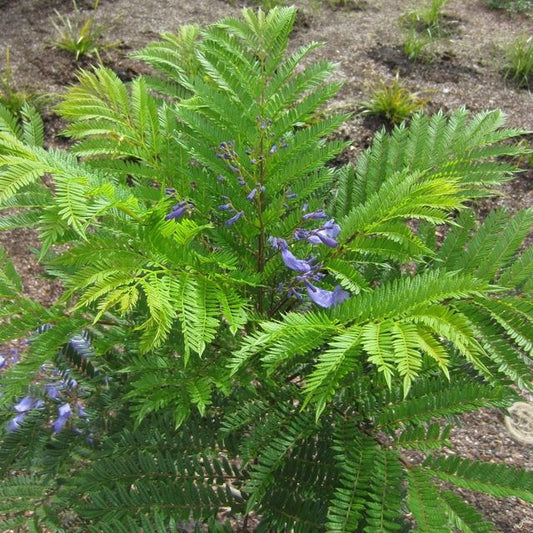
(228, 206)
(308, 270)
(323, 235)
(226, 151)
(60, 389)
(22, 409)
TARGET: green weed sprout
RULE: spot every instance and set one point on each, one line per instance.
(392, 101)
(512, 7)
(415, 45)
(423, 27)
(426, 18)
(77, 33)
(519, 62)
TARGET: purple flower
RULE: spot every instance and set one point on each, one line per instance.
(170, 191)
(52, 391)
(315, 215)
(234, 218)
(81, 411)
(324, 235)
(65, 412)
(274, 148)
(241, 181)
(292, 262)
(252, 194)
(324, 239)
(59, 423)
(293, 291)
(225, 207)
(3, 361)
(178, 211)
(25, 404)
(14, 423)
(325, 298)
(291, 195)
(277, 243)
(220, 178)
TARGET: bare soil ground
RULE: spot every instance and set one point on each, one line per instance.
(366, 43)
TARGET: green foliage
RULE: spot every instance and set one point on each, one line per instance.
(417, 46)
(198, 358)
(512, 6)
(519, 63)
(423, 27)
(426, 18)
(392, 101)
(77, 33)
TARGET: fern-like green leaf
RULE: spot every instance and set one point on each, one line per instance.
(495, 479)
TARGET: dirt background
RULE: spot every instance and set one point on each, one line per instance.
(366, 43)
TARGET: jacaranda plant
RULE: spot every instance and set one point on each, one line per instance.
(245, 328)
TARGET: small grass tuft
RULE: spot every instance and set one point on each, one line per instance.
(423, 27)
(392, 101)
(427, 18)
(416, 46)
(78, 33)
(519, 65)
(512, 7)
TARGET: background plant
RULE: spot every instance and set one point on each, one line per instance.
(423, 27)
(248, 327)
(78, 33)
(426, 18)
(519, 61)
(418, 46)
(512, 6)
(392, 101)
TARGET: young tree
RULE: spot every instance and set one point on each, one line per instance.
(244, 326)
